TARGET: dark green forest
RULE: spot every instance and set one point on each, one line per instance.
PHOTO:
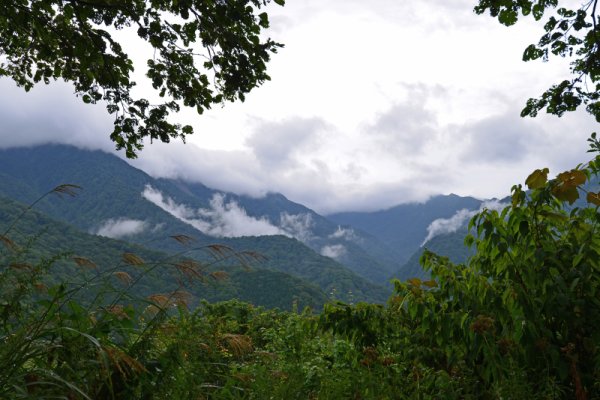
(512, 314)
(517, 320)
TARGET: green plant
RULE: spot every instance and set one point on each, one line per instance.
(205, 52)
(570, 32)
(90, 335)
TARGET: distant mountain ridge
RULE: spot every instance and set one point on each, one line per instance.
(113, 202)
(45, 238)
(404, 227)
(121, 201)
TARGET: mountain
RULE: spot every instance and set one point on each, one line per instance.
(123, 202)
(359, 251)
(450, 242)
(42, 238)
(449, 245)
(405, 227)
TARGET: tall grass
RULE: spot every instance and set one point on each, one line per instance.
(93, 336)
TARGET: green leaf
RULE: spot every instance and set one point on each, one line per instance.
(414, 282)
(577, 260)
(469, 240)
(566, 193)
(524, 228)
(593, 198)
(532, 52)
(508, 17)
(537, 179)
(430, 284)
(538, 11)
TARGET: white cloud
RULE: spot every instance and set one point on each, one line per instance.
(275, 144)
(228, 219)
(501, 138)
(407, 126)
(51, 114)
(121, 227)
(179, 211)
(334, 251)
(442, 226)
(343, 233)
(448, 225)
(345, 123)
(493, 204)
(222, 219)
(297, 226)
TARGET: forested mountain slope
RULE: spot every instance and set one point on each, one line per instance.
(404, 227)
(112, 203)
(116, 191)
(40, 237)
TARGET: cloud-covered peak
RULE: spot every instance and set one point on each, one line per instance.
(121, 227)
(442, 226)
(221, 219)
(335, 251)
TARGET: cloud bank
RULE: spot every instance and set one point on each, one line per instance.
(442, 226)
(222, 219)
(121, 227)
(228, 219)
(335, 251)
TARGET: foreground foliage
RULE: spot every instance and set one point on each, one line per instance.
(518, 320)
(200, 53)
(571, 32)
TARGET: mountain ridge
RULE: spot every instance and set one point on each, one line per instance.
(114, 191)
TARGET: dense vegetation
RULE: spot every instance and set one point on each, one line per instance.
(112, 190)
(517, 320)
(79, 44)
(46, 238)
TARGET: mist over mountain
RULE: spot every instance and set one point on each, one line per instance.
(353, 254)
(407, 226)
(46, 238)
(122, 202)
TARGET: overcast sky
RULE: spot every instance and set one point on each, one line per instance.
(371, 104)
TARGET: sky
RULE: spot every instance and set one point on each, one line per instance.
(371, 104)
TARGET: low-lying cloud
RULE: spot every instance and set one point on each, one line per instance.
(297, 226)
(228, 219)
(334, 251)
(121, 227)
(344, 233)
(222, 219)
(442, 226)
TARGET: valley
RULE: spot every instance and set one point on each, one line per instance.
(349, 256)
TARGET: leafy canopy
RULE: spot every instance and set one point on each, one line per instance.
(569, 32)
(205, 52)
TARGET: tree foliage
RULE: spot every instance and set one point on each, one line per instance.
(569, 32)
(205, 52)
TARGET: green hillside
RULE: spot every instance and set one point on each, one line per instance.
(112, 190)
(449, 245)
(45, 238)
(404, 227)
